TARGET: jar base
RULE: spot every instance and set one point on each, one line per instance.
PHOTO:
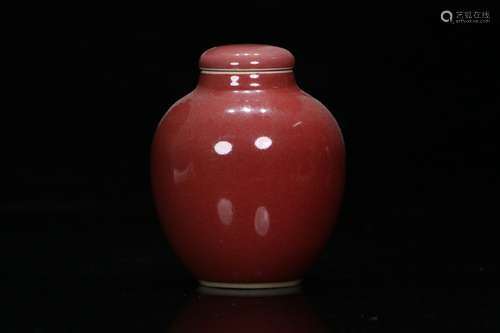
(260, 285)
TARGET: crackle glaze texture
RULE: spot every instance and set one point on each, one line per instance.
(247, 170)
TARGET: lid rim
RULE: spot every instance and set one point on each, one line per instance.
(269, 69)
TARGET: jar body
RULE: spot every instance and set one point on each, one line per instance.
(248, 182)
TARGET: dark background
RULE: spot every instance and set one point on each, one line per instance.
(417, 100)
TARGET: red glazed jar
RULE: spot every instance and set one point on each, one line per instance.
(247, 171)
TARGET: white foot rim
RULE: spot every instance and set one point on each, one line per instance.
(263, 285)
(249, 292)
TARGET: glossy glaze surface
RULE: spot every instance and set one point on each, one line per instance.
(247, 173)
(246, 56)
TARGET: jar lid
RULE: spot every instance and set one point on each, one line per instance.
(246, 57)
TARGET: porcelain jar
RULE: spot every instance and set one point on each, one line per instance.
(247, 171)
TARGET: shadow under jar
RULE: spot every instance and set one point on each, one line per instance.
(247, 171)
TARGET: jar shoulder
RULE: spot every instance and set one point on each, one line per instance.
(282, 108)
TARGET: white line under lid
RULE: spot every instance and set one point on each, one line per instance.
(246, 71)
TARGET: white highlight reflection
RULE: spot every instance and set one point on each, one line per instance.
(225, 211)
(234, 80)
(261, 221)
(263, 142)
(181, 175)
(247, 91)
(223, 147)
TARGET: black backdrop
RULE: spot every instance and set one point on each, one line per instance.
(417, 100)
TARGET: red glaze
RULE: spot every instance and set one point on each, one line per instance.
(246, 56)
(242, 314)
(248, 173)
